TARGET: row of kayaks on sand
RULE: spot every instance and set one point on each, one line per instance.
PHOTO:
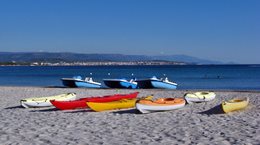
(123, 101)
(147, 83)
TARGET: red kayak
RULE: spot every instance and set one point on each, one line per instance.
(81, 103)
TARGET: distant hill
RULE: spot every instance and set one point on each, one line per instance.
(186, 58)
(77, 57)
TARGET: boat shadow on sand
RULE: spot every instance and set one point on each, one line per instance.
(55, 87)
(128, 111)
(34, 109)
(45, 110)
(215, 110)
(77, 111)
(14, 107)
(64, 111)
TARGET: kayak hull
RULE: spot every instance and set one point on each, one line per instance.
(148, 106)
(81, 103)
(120, 104)
(235, 104)
(199, 97)
(45, 101)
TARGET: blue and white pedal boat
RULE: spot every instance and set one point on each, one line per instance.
(154, 82)
(78, 82)
(120, 83)
(163, 84)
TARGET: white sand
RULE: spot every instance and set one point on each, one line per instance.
(194, 124)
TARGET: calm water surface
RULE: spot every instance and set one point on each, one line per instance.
(236, 77)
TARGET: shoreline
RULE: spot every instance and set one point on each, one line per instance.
(186, 64)
(192, 90)
(193, 124)
(95, 63)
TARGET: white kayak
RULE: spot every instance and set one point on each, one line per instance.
(199, 97)
(45, 101)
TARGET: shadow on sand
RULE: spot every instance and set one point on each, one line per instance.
(77, 111)
(129, 111)
(55, 87)
(14, 107)
(46, 110)
(215, 110)
(64, 111)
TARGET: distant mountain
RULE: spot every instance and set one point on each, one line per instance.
(67, 57)
(186, 58)
(76, 57)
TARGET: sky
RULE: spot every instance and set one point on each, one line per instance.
(222, 30)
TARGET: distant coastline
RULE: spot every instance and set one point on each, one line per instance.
(96, 63)
(65, 58)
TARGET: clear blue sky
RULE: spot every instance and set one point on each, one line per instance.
(223, 30)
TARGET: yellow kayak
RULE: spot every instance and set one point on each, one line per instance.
(120, 104)
(45, 101)
(234, 104)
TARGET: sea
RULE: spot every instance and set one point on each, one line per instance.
(217, 77)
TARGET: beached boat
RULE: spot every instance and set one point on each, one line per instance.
(235, 104)
(198, 97)
(161, 104)
(81, 103)
(163, 84)
(145, 83)
(120, 83)
(70, 82)
(45, 101)
(120, 104)
(77, 81)
(154, 82)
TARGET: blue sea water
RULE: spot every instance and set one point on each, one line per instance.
(235, 77)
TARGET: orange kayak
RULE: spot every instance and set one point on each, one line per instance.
(161, 104)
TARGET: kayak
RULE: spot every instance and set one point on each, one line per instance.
(45, 101)
(199, 97)
(120, 104)
(81, 103)
(161, 104)
(235, 104)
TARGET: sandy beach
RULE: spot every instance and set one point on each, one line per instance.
(202, 123)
